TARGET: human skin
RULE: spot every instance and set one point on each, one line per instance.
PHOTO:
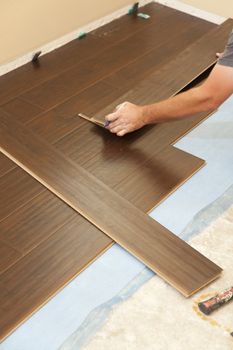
(129, 117)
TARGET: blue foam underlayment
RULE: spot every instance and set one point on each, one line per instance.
(98, 285)
(98, 316)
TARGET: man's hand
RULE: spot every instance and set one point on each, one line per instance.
(219, 54)
(127, 117)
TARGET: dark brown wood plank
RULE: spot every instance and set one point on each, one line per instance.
(14, 83)
(175, 75)
(59, 89)
(122, 27)
(5, 165)
(129, 76)
(166, 254)
(22, 111)
(162, 174)
(62, 120)
(101, 94)
(33, 223)
(72, 54)
(16, 187)
(113, 159)
(8, 256)
(44, 271)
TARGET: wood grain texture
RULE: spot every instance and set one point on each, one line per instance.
(166, 254)
(163, 173)
(28, 76)
(22, 111)
(120, 28)
(176, 74)
(16, 187)
(72, 81)
(72, 54)
(57, 241)
(34, 222)
(5, 165)
(62, 120)
(115, 160)
(45, 270)
(8, 256)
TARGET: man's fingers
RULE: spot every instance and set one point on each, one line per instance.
(114, 124)
(122, 132)
(121, 105)
(219, 54)
(111, 117)
(116, 129)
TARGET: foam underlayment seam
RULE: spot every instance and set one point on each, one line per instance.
(176, 4)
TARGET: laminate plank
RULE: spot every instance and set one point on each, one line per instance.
(113, 159)
(59, 89)
(131, 75)
(5, 165)
(35, 222)
(119, 28)
(71, 54)
(8, 256)
(103, 154)
(60, 131)
(166, 254)
(16, 187)
(39, 275)
(62, 120)
(89, 145)
(158, 177)
(22, 111)
(50, 65)
(175, 75)
(101, 94)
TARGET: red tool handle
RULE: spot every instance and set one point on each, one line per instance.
(217, 301)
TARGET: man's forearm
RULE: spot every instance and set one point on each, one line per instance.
(185, 104)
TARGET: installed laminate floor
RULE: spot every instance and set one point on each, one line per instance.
(81, 76)
(159, 249)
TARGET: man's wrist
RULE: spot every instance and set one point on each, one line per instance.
(147, 116)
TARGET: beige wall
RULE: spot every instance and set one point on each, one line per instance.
(219, 7)
(27, 24)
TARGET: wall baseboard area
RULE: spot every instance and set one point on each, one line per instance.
(191, 10)
(176, 4)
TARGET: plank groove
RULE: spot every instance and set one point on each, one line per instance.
(159, 249)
